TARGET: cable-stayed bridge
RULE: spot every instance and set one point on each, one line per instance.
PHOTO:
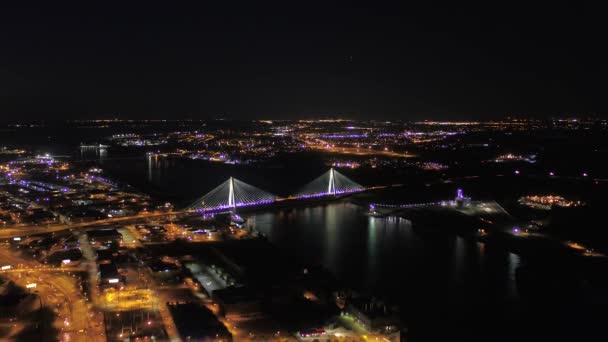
(234, 193)
(231, 194)
(228, 196)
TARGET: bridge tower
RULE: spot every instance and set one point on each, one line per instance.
(331, 187)
(331, 183)
(231, 202)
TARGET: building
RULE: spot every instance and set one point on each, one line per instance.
(461, 200)
(238, 302)
(104, 237)
(373, 314)
(165, 271)
(109, 276)
(195, 322)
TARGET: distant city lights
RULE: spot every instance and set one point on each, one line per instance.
(547, 201)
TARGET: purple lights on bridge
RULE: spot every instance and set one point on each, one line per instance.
(324, 194)
(236, 205)
(234, 193)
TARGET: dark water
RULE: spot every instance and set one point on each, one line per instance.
(437, 279)
(383, 255)
(448, 286)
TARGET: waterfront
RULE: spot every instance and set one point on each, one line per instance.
(439, 277)
(435, 278)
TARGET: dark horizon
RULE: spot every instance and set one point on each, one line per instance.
(236, 61)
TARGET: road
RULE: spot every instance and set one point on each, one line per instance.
(12, 232)
(144, 296)
(6, 233)
(60, 292)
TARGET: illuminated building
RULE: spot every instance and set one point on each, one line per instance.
(547, 201)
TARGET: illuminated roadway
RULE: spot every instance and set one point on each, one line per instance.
(22, 231)
(14, 269)
(60, 293)
(12, 232)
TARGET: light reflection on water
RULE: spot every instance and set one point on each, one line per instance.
(94, 153)
(514, 261)
(384, 254)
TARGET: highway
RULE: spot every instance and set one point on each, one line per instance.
(21, 231)
(6, 233)
(43, 269)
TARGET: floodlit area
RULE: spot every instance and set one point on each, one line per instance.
(128, 299)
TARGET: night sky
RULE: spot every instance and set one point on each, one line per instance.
(294, 59)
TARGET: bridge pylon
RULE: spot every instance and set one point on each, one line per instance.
(230, 195)
(331, 183)
(331, 188)
(231, 202)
